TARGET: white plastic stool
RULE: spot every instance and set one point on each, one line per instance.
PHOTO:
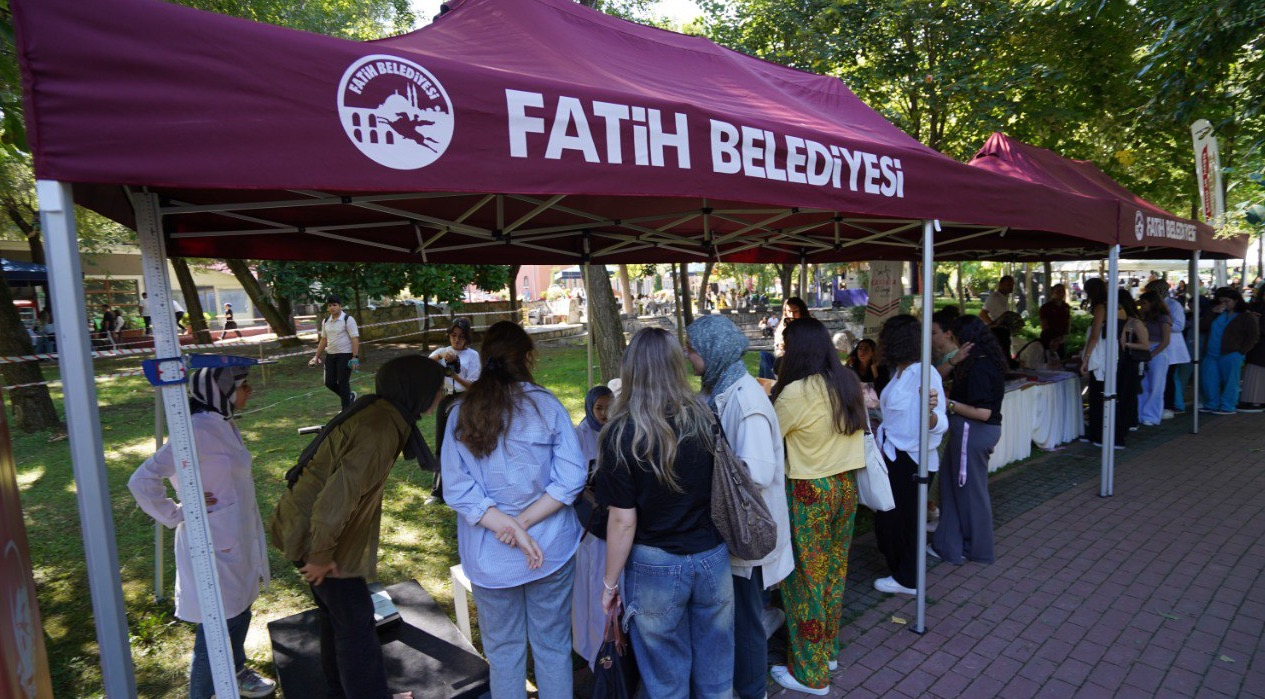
(461, 590)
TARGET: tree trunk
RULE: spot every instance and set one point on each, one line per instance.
(785, 274)
(604, 323)
(702, 287)
(687, 308)
(514, 305)
(1030, 280)
(32, 407)
(625, 288)
(1049, 279)
(280, 324)
(195, 314)
(961, 292)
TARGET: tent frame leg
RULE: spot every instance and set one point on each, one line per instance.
(924, 393)
(83, 422)
(1196, 292)
(1111, 363)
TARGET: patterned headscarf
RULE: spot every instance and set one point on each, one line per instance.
(720, 343)
(590, 400)
(214, 389)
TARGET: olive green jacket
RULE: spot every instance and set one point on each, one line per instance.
(334, 510)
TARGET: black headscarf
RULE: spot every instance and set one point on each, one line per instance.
(409, 383)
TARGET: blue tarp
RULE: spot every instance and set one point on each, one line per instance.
(17, 272)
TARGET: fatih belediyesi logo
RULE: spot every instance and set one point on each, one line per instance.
(395, 112)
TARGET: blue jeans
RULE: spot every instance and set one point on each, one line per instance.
(1219, 381)
(201, 685)
(538, 612)
(751, 645)
(680, 616)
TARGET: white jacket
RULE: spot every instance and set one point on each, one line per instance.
(237, 531)
(1177, 351)
(752, 429)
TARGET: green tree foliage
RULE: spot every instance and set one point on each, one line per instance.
(358, 283)
(1113, 81)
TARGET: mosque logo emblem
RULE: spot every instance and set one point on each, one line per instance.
(1139, 226)
(395, 112)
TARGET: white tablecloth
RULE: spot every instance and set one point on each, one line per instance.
(1046, 413)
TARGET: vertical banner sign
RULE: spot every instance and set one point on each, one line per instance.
(885, 289)
(1208, 170)
(23, 660)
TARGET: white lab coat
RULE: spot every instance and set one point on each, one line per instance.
(752, 429)
(237, 531)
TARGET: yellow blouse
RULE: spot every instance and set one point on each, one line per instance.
(813, 448)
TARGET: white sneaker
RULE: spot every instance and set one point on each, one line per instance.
(782, 675)
(832, 665)
(891, 587)
(254, 685)
(931, 551)
(772, 618)
(1167, 415)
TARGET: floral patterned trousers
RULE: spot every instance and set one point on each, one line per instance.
(823, 515)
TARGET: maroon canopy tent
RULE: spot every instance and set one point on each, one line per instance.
(1142, 228)
(506, 132)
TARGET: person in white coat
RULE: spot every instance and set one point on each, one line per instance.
(750, 424)
(241, 557)
(1177, 352)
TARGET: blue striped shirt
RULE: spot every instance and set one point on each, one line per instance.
(539, 455)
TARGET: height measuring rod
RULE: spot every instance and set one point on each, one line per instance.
(172, 380)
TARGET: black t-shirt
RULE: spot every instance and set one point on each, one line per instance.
(984, 386)
(679, 523)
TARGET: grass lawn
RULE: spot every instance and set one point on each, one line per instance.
(418, 541)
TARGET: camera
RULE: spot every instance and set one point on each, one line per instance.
(453, 367)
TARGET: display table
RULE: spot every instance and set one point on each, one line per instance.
(1044, 408)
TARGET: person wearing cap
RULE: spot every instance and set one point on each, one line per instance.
(340, 340)
(216, 395)
(461, 369)
(229, 323)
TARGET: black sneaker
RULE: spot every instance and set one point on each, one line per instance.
(1251, 408)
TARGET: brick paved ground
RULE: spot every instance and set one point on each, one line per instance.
(1156, 591)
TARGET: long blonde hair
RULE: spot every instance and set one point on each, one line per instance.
(657, 405)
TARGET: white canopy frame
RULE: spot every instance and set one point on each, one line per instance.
(810, 235)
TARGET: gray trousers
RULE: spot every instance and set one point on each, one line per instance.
(965, 531)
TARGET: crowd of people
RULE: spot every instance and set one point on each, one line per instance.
(560, 526)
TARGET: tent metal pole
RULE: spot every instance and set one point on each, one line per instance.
(924, 393)
(1111, 363)
(159, 534)
(87, 455)
(1195, 294)
(171, 365)
(588, 319)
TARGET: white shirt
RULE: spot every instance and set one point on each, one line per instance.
(901, 405)
(470, 367)
(237, 531)
(338, 333)
(176, 305)
(751, 426)
(996, 304)
(1177, 351)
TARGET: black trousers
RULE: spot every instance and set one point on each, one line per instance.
(1127, 386)
(338, 376)
(441, 424)
(351, 654)
(896, 531)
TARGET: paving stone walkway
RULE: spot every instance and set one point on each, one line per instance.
(1158, 591)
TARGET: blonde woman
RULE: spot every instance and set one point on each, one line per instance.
(821, 411)
(655, 473)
